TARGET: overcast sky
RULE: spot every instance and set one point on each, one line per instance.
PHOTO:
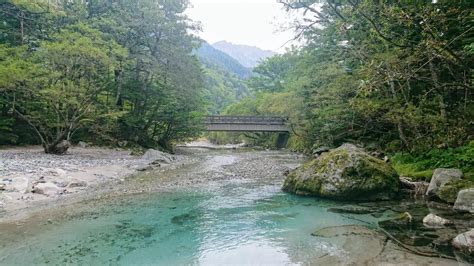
(251, 22)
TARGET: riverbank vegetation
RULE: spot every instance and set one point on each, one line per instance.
(390, 76)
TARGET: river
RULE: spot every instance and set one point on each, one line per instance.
(224, 208)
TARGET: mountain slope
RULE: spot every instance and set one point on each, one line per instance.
(224, 78)
(248, 56)
(211, 56)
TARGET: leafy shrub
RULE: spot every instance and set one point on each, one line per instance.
(420, 166)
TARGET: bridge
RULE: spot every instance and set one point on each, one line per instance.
(250, 124)
(246, 123)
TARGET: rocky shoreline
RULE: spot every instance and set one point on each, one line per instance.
(350, 173)
(29, 177)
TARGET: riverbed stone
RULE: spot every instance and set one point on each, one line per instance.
(351, 210)
(154, 156)
(435, 221)
(465, 200)
(48, 189)
(346, 173)
(402, 221)
(20, 184)
(349, 238)
(77, 183)
(465, 243)
(82, 144)
(441, 177)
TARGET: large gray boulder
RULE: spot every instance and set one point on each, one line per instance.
(465, 200)
(347, 172)
(465, 243)
(441, 177)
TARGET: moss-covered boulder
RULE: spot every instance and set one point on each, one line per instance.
(441, 177)
(449, 192)
(346, 173)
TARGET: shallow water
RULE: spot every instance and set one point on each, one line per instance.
(238, 223)
(241, 221)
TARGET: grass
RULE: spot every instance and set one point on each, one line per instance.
(421, 166)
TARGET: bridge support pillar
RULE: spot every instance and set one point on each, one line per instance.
(282, 140)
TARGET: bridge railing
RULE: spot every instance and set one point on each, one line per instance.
(259, 120)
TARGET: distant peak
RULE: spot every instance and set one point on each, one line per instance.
(224, 42)
(248, 55)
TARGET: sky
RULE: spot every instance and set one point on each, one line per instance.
(251, 22)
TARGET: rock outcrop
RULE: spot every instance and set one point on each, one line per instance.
(441, 177)
(465, 200)
(346, 173)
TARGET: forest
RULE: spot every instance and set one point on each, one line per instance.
(108, 72)
(391, 76)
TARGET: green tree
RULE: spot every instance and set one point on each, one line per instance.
(56, 89)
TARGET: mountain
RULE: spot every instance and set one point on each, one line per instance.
(211, 56)
(224, 78)
(248, 56)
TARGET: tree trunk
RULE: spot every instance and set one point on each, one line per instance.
(400, 129)
(434, 77)
(59, 148)
(118, 80)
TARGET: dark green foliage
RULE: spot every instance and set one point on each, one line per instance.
(97, 71)
(6, 131)
(387, 75)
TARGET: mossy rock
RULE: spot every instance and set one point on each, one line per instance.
(402, 221)
(449, 192)
(346, 173)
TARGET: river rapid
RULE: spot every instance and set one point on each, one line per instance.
(222, 207)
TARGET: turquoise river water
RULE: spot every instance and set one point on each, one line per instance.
(231, 222)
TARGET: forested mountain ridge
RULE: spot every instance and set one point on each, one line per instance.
(224, 78)
(248, 56)
(212, 57)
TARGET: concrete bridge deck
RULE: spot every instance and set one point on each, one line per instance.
(246, 123)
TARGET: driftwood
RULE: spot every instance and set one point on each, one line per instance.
(413, 250)
(417, 188)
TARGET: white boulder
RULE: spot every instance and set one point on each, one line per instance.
(434, 221)
(48, 189)
(465, 242)
(465, 200)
